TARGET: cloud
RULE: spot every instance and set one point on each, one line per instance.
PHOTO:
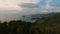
(29, 5)
(9, 5)
(27, 1)
(48, 6)
(13, 4)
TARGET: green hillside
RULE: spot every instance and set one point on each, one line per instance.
(48, 25)
(45, 25)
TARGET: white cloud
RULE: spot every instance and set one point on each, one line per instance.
(13, 4)
(48, 6)
(8, 5)
(27, 1)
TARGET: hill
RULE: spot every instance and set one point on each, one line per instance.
(44, 25)
(48, 25)
(33, 17)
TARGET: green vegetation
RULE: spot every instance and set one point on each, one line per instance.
(45, 25)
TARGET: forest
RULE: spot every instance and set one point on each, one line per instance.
(45, 25)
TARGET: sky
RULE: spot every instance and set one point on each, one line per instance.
(13, 9)
(43, 3)
(14, 4)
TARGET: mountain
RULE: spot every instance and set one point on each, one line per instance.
(48, 25)
(34, 17)
(55, 18)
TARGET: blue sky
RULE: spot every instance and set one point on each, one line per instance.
(53, 2)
